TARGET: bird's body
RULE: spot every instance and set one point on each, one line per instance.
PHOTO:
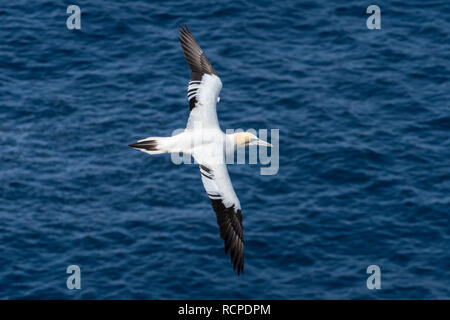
(209, 145)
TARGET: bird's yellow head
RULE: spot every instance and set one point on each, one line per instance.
(242, 139)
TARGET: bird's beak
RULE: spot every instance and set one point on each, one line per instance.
(260, 142)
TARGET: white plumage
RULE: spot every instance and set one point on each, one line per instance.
(206, 142)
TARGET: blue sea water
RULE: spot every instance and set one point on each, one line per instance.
(364, 177)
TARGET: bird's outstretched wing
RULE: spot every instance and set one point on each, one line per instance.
(204, 85)
(225, 203)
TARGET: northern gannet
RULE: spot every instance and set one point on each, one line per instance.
(208, 145)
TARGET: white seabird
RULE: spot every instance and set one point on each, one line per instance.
(208, 145)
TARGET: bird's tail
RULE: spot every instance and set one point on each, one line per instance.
(152, 145)
(157, 145)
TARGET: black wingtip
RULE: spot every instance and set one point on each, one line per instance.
(183, 28)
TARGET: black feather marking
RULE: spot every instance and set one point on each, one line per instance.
(206, 172)
(205, 168)
(149, 145)
(205, 175)
(230, 226)
(192, 103)
(229, 220)
(196, 59)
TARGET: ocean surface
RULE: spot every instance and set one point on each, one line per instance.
(364, 173)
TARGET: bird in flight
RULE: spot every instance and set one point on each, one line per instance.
(209, 146)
